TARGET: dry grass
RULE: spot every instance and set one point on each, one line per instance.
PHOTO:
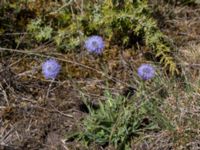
(182, 106)
(29, 120)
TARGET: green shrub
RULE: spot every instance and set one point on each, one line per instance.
(119, 22)
(68, 23)
(118, 120)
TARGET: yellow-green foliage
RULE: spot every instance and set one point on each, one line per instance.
(136, 17)
(69, 22)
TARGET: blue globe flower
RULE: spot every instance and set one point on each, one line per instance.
(146, 71)
(95, 44)
(50, 69)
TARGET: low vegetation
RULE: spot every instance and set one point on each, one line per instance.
(99, 74)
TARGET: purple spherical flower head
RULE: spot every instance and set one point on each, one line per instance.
(95, 44)
(146, 71)
(50, 69)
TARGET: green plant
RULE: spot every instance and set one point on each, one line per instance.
(119, 119)
(68, 23)
(120, 22)
(41, 32)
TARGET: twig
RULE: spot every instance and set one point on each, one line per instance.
(56, 110)
(32, 71)
(49, 88)
(22, 33)
(71, 62)
(65, 5)
(4, 94)
(63, 144)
